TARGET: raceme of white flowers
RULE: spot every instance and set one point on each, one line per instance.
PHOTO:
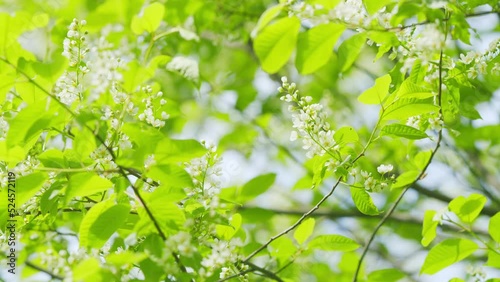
(68, 87)
(309, 121)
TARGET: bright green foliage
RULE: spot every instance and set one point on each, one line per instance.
(314, 47)
(390, 274)
(304, 231)
(493, 227)
(377, 93)
(333, 243)
(256, 186)
(401, 130)
(101, 222)
(363, 201)
(349, 51)
(446, 253)
(150, 19)
(429, 228)
(275, 43)
(85, 184)
(467, 209)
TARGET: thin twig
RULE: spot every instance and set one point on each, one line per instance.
(121, 169)
(302, 218)
(36, 267)
(420, 176)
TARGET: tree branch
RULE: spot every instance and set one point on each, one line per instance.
(36, 267)
(398, 200)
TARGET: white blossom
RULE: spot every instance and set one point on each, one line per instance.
(382, 169)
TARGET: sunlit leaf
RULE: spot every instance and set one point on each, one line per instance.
(467, 209)
(363, 201)
(101, 221)
(315, 46)
(275, 43)
(447, 253)
(333, 243)
(304, 231)
(429, 228)
(401, 130)
(377, 93)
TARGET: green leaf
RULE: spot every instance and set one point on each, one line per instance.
(282, 249)
(304, 231)
(90, 270)
(494, 227)
(363, 201)
(345, 135)
(52, 158)
(405, 131)
(333, 243)
(349, 50)
(84, 143)
(256, 186)
(270, 14)
(373, 6)
(467, 209)
(173, 151)
(150, 19)
(493, 259)
(421, 159)
(125, 257)
(12, 155)
(101, 221)
(274, 45)
(29, 185)
(326, 4)
(85, 184)
(429, 228)
(169, 216)
(405, 179)
(28, 124)
(170, 175)
(386, 275)
(456, 280)
(227, 232)
(409, 89)
(385, 41)
(315, 46)
(376, 93)
(403, 108)
(319, 169)
(447, 253)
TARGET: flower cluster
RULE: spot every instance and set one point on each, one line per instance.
(106, 63)
(75, 46)
(149, 112)
(102, 158)
(420, 43)
(477, 273)
(207, 178)
(69, 87)
(56, 262)
(309, 121)
(371, 183)
(4, 127)
(477, 63)
(351, 12)
(223, 254)
(433, 121)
